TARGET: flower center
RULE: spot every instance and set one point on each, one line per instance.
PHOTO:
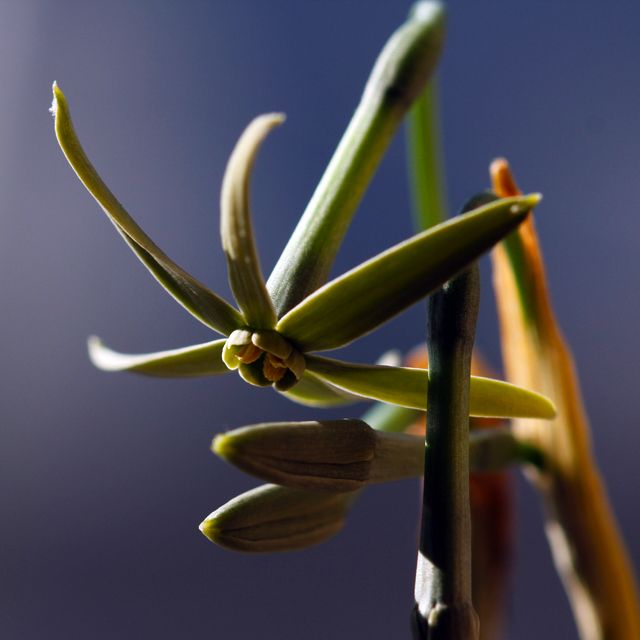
(263, 358)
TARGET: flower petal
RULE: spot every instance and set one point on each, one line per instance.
(198, 360)
(408, 388)
(314, 392)
(365, 297)
(202, 303)
(245, 275)
(400, 72)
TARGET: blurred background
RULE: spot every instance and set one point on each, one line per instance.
(104, 478)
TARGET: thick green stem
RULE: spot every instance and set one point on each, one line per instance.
(399, 75)
(426, 168)
(444, 610)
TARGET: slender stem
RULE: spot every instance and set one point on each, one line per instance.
(444, 610)
(425, 160)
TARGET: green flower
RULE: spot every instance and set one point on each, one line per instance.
(272, 336)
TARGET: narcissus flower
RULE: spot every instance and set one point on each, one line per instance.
(276, 349)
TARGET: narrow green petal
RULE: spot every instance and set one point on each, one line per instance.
(202, 303)
(426, 167)
(198, 360)
(400, 72)
(313, 392)
(245, 275)
(408, 388)
(365, 297)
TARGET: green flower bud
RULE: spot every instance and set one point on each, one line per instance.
(346, 455)
(330, 455)
(271, 518)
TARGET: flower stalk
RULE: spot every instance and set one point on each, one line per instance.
(444, 609)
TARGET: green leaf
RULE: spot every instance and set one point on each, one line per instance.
(426, 167)
(313, 392)
(399, 74)
(408, 388)
(365, 297)
(245, 275)
(202, 303)
(272, 518)
(198, 360)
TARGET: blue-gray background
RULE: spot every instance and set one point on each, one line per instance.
(104, 478)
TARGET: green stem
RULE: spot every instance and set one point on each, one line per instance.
(425, 160)
(399, 75)
(444, 610)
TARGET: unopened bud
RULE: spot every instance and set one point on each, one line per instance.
(329, 455)
(345, 455)
(272, 518)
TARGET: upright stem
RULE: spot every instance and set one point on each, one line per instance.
(444, 610)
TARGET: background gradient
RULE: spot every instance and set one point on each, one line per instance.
(104, 478)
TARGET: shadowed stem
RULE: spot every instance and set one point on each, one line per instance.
(443, 609)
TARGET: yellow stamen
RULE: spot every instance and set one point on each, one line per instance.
(273, 368)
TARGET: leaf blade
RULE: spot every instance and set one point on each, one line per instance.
(338, 313)
(202, 303)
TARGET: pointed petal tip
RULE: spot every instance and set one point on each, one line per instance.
(58, 97)
(265, 122)
(221, 446)
(209, 529)
(524, 204)
(276, 117)
(498, 164)
(96, 350)
(548, 409)
(534, 198)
